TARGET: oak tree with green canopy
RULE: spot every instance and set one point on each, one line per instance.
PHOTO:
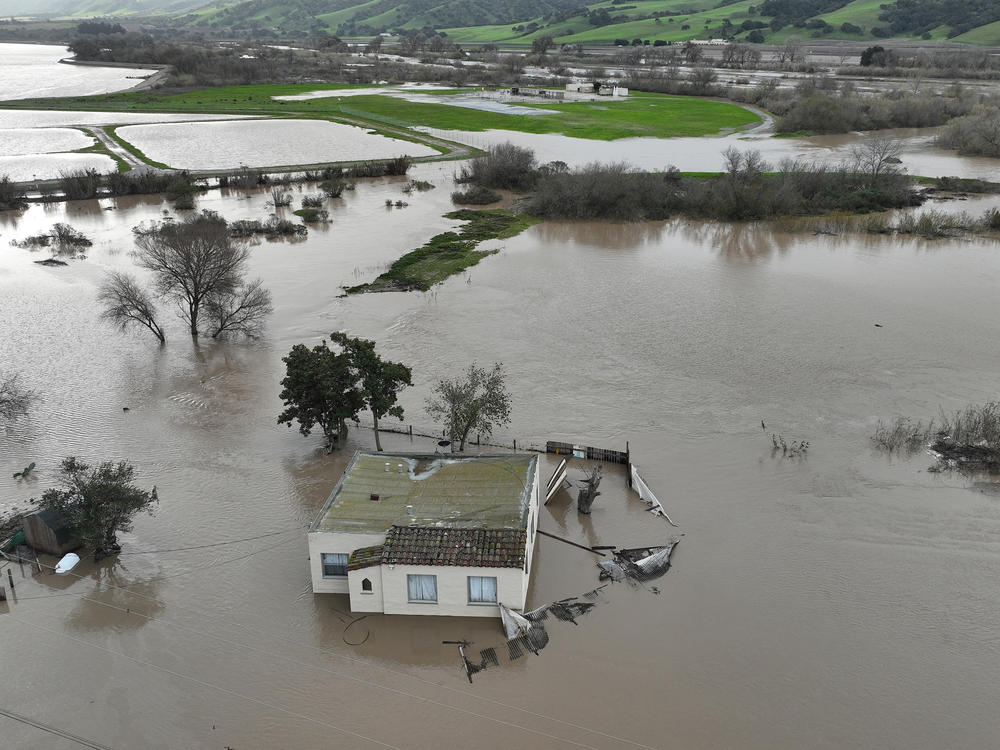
(320, 387)
(97, 502)
(476, 400)
(380, 380)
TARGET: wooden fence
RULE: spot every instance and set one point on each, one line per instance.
(587, 451)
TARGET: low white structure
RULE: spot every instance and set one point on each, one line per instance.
(428, 534)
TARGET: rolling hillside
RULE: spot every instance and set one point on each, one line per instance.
(567, 21)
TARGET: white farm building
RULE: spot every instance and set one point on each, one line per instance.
(428, 534)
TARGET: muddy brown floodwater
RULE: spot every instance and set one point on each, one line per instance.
(837, 600)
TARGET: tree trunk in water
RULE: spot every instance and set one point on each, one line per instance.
(378, 443)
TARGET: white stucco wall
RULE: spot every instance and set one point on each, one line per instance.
(366, 601)
(452, 590)
(325, 541)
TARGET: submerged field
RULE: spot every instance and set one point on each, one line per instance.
(640, 115)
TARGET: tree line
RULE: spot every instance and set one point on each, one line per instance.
(747, 188)
(326, 387)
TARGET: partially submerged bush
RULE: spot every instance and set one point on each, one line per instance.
(419, 185)
(80, 184)
(12, 195)
(902, 435)
(476, 196)
(503, 166)
(62, 236)
(334, 188)
(272, 227)
(313, 201)
(312, 215)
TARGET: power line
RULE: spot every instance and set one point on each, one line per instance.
(365, 662)
(209, 685)
(274, 634)
(215, 544)
(370, 683)
(54, 730)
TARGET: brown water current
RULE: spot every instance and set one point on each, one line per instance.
(843, 599)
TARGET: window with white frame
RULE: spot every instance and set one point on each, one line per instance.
(334, 565)
(482, 590)
(422, 588)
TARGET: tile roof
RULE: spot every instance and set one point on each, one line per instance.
(365, 557)
(428, 545)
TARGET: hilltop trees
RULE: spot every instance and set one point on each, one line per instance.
(476, 400)
(325, 388)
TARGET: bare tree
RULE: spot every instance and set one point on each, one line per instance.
(126, 303)
(192, 261)
(15, 398)
(476, 401)
(692, 52)
(790, 52)
(241, 311)
(877, 157)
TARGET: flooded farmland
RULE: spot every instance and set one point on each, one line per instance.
(840, 599)
(266, 143)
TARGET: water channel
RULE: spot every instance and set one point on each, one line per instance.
(841, 599)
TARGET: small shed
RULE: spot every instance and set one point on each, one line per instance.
(46, 531)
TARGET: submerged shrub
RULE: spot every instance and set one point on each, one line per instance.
(12, 195)
(476, 195)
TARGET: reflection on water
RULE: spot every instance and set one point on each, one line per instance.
(34, 70)
(919, 156)
(841, 600)
(265, 143)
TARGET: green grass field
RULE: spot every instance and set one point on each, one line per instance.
(989, 35)
(640, 115)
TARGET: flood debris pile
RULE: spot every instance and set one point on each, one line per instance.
(638, 563)
(526, 633)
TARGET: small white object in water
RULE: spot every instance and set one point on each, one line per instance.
(67, 563)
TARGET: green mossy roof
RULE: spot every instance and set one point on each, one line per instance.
(489, 492)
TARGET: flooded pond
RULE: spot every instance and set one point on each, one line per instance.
(919, 157)
(21, 141)
(263, 143)
(31, 70)
(836, 600)
(50, 166)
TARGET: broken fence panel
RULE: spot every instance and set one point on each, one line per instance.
(646, 494)
(556, 480)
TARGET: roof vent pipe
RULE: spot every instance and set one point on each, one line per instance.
(401, 470)
(409, 511)
(387, 466)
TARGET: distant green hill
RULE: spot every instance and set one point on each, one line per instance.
(568, 21)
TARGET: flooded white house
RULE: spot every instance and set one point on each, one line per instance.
(428, 534)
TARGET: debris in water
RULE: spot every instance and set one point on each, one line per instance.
(23, 473)
(588, 490)
(646, 494)
(528, 629)
(51, 262)
(638, 563)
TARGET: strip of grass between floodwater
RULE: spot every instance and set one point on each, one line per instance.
(448, 253)
(111, 130)
(100, 148)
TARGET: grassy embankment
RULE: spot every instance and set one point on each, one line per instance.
(99, 148)
(648, 115)
(449, 253)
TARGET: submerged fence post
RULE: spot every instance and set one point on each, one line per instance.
(10, 577)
